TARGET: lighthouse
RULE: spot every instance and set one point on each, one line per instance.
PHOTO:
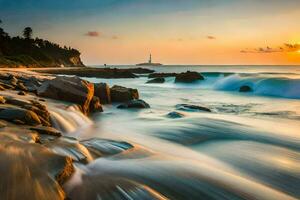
(150, 59)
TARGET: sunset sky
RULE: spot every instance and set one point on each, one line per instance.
(174, 31)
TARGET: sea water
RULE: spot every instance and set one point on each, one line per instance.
(248, 147)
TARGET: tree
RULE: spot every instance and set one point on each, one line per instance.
(2, 32)
(27, 32)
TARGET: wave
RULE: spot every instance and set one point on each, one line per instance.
(265, 84)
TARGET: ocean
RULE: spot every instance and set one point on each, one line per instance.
(248, 147)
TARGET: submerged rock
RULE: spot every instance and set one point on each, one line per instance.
(123, 94)
(136, 103)
(245, 88)
(102, 91)
(188, 107)
(188, 77)
(46, 130)
(175, 115)
(156, 80)
(72, 89)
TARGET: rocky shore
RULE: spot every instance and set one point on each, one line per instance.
(98, 72)
(37, 158)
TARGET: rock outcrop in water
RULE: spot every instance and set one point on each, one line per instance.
(71, 89)
(123, 94)
(188, 77)
(188, 107)
(156, 80)
(161, 75)
(136, 103)
(98, 72)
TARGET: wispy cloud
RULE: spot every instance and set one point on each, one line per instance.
(92, 34)
(284, 48)
(210, 37)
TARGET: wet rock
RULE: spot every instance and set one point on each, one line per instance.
(2, 100)
(123, 94)
(156, 80)
(2, 124)
(136, 103)
(175, 115)
(22, 93)
(2, 88)
(6, 86)
(95, 105)
(21, 87)
(188, 77)
(188, 107)
(245, 88)
(31, 171)
(102, 147)
(14, 113)
(66, 146)
(102, 91)
(162, 75)
(46, 130)
(72, 89)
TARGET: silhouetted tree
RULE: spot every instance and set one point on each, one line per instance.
(27, 32)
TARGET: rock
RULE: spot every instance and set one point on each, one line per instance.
(46, 130)
(2, 88)
(245, 88)
(187, 107)
(6, 86)
(188, 77)
(72, 89)
(175, 115)
(2, 100)
(14, 113)
(156, 80)
(21, 87)
(31, 171)
(2, 124)
(123, 94)
(102, 91)
(102, 147)
(22, 93)
(161, 75)
(95, 105)
(13, 81)
(136, 103)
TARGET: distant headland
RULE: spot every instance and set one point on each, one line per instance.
(149, 63)
(35, 52)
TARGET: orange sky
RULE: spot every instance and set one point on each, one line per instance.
(174, 31)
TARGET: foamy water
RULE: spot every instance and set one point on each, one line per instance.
(247, 148)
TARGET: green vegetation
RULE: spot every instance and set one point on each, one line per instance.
(27, 52)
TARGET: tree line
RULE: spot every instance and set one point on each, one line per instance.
(28, 51)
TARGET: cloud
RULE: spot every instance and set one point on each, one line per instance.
(210, 37)
(92, 34)
(285, 48)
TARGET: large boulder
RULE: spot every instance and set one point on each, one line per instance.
(188, 77)
(156, 80)
(136, 103)
(161, 75)
(123, 94)
(71, 89)
(102, 91)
